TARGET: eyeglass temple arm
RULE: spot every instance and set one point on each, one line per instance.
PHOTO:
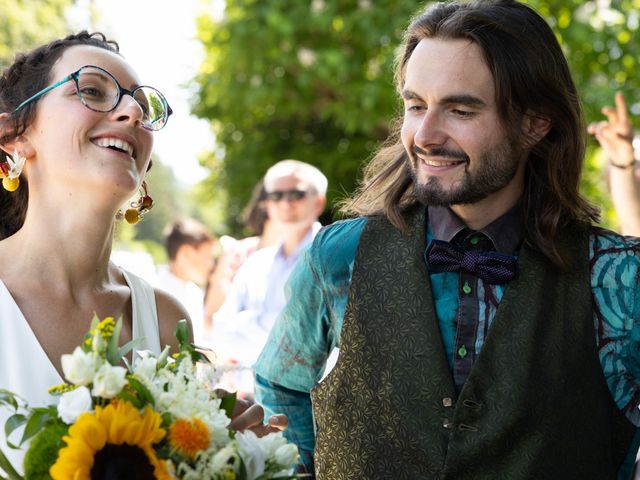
(45, 90)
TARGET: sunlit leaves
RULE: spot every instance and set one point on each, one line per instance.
(24, 25)
(313, 80)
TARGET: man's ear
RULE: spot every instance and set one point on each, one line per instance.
(321, 202)
(534, 128)
(20, 142)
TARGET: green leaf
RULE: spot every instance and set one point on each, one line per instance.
(36, 422)
(197, 356)
(182, 333)
(14, 422)
(127, 364)
(242, 474)
(8, 398)
(167, 420)
(113, 356)
(94, 321)
(132, 399)
(127, 347)
(5, 464)
(228, 403)
(142, 390)
(162, 358)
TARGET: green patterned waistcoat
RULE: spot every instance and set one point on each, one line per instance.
(535, 404)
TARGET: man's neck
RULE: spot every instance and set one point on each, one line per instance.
(293, 237)
(178, 272)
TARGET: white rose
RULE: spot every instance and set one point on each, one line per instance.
(145, 367)
(287, 455)
(251, 453)
(72, 404)
(79, 367)
(109, 381)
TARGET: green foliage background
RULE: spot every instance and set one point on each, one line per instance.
(312, 80)
(25, 24)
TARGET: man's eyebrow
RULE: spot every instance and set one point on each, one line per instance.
(462, 99)
(410, 95)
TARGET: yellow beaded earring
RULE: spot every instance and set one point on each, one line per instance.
(10, 171)
(140, 207)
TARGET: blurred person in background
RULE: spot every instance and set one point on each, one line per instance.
(189, 246)
(295, 198)
(265, 233)
(616, 136)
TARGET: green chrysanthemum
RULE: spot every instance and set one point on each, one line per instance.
(43, 451)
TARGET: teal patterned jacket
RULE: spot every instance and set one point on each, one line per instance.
(295, 355)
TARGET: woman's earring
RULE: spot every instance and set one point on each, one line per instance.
(140, 207)
(10, 171)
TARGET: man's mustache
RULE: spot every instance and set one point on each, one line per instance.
(441, 152)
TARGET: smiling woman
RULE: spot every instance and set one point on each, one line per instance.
(76, 134)
(74, 116)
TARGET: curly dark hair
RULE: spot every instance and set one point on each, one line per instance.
(30, 73)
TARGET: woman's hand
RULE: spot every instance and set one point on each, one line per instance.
(615, 134)
(250, 416)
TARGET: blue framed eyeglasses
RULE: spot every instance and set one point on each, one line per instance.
(100, 91)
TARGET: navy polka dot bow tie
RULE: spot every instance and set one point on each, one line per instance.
(492, 267)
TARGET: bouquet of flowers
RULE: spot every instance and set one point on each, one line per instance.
(155, 419)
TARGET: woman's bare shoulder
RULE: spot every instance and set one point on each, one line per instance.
(170, 312)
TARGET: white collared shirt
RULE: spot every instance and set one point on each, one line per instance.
(256, 297)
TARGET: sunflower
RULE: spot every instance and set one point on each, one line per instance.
(189, 436)
(114, 442)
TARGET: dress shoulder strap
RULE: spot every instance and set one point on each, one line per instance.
(144, 312)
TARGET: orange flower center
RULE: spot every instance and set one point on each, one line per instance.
(189, 436)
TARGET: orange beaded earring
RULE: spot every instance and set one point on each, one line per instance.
(140, 207)
(10, 171)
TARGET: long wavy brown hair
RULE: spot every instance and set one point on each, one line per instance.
(531, 74)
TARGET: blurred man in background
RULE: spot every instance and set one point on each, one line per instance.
(295, 198)
(189, 246)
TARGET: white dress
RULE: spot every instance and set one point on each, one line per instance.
(25, 368)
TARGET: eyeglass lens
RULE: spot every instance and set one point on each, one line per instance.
(99, 91)
(290, 195)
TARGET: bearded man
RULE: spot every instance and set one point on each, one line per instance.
(487, 330)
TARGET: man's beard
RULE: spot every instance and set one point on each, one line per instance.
(495, 169)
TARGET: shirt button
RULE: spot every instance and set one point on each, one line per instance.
(448, 424)
(462, 351)
(447, 402)
(475, 240)
(466, 288)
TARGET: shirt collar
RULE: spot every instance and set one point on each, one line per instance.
(306, 241)
(506, 232)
